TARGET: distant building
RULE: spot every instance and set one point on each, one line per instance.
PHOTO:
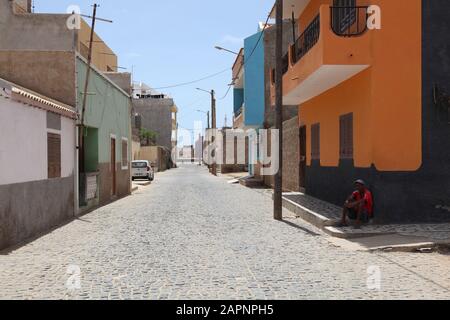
(157, 112)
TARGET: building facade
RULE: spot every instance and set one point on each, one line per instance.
(372, 102)
(37, 156)
(254, 107)
(158, 113)
(41, 53)
(107, 138)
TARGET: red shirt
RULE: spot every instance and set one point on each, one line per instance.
(368, 200)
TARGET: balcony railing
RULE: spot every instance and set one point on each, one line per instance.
(349, 21)
(237, 113)
(307, 40)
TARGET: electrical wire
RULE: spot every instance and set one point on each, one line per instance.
(226, 94)
(194, 81)
(220, 72)
(256, 45)
(249, 57)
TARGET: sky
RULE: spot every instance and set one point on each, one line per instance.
(172, 41)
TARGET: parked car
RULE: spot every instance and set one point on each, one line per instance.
(142, 169)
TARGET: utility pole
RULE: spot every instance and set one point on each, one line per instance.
(278, 192)
(214, 126)
(209, 123)
(81, 148)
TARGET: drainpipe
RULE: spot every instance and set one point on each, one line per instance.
(76, 177)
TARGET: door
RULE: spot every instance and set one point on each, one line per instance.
(113, 167)
(302, 157)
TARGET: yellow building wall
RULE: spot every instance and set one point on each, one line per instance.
(103, 58)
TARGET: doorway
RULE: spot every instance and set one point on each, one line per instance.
(302, 171)
(113, 167)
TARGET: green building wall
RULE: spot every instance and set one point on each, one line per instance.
(107, 114)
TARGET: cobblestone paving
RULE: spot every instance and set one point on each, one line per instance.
(193, 236)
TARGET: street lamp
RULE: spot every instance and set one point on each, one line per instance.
(207, 114)
(223, 49)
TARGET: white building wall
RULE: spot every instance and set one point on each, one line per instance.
(67, 147)
(23, 143)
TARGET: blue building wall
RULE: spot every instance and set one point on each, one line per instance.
(254, 87)
(238, 99)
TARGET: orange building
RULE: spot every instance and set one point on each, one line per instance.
(369, 78)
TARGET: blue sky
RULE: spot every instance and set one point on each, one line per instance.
(172, 41)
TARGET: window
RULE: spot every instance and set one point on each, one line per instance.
(315, 141)
(272, 76)
(54, 155)
(345, 16)
(139, 165)
(346, 136)
(124, 153)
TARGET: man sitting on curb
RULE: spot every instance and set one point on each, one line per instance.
(359, 206)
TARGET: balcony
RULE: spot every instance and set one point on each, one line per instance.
(333, 48)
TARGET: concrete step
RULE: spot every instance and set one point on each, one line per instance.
(251, 182)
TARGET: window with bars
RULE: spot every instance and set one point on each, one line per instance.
(344, 15)
(54, 155)
(124, 153)
(315, 141)
(346, 136)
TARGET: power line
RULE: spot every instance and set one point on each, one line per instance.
(194, 81)
(223, 71)
(226, 94)
(259, 39)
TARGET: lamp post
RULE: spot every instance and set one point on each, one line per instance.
(227, 50)
(207, 115)
(214, 122)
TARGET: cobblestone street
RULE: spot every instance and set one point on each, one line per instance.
(190, 235)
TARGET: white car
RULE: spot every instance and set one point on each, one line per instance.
(142, 169)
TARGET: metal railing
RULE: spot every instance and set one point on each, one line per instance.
(349, 21)
(238, 112)
(307, 40)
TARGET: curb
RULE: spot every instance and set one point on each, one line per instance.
(334, 232)
(424, 247)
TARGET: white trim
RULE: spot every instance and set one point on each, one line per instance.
(54, 131)
(41, 100)
(128, 154)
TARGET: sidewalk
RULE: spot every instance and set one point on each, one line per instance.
(400, 237)
(137, 184)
